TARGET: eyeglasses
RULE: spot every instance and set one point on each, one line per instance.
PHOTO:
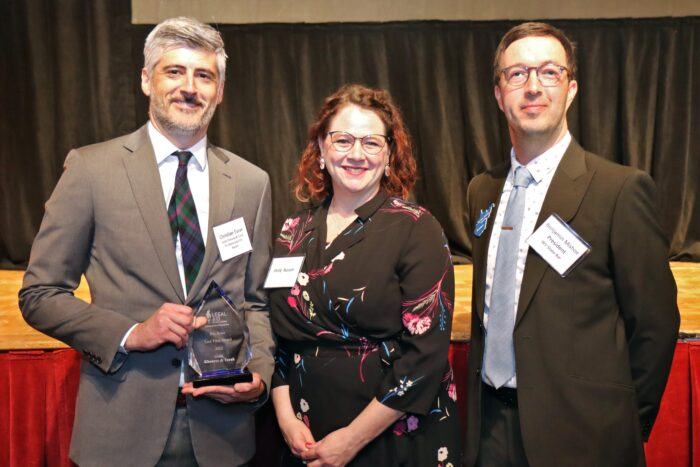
(371, 144)
(549, 74)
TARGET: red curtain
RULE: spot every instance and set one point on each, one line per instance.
(694, 351)
(669, 444)
(38, 390)
(37, 403)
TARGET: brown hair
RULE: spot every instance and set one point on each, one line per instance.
(530, 29)
(313, 184)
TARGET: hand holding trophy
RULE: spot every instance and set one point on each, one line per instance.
(219, 351)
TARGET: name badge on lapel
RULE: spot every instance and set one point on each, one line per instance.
(483, 220)
(283, 272)
(558, 244)
(232, 239)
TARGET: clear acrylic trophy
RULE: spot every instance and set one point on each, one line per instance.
(219, 351)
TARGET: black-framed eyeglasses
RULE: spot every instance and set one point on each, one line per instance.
(549, 74)
(371, 144)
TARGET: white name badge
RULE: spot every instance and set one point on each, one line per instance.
(558, 244)
(232, 239)
(283, 272)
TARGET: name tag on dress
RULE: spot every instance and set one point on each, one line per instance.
(558, 244)
(283, 272)
(232, 239)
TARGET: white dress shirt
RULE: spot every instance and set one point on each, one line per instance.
(542, 169)
(198, 179)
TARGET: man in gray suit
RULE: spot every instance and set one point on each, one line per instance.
(136, 216)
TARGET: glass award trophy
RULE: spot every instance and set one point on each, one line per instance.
(219, 351)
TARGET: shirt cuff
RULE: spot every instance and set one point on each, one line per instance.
(126, 336)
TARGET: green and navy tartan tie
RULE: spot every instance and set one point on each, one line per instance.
(183, 220)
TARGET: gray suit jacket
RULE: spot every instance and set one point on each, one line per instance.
(107, 219)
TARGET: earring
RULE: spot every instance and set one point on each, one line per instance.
(322, 163)
(386, 170)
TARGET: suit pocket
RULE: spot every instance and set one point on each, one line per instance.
(96, 374)
(608, 384)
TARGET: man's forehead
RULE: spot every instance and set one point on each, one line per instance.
(534, 50)
(187, 56)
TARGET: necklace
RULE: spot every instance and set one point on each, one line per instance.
(336, 223)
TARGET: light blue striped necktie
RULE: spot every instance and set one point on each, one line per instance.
(499, 354)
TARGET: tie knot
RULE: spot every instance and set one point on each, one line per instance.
(183, 157)
(522, 177)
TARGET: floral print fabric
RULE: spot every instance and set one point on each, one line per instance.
(370, 317)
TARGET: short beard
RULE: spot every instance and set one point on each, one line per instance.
(157, 112)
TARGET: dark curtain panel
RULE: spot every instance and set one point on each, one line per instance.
(68, 81)
(72, 78)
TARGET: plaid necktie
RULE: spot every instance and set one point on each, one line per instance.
(182, 214)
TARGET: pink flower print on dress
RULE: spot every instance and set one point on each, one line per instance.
(422, 325)
(418, 314)
(412, 423)
(399, 428)
(399, 206)
(409, 319)
(452, 391)
(303, 279)
(299, 299)
(416, 324)
(290, 223)
(294, 232)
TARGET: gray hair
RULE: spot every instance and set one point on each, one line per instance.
(184, 32)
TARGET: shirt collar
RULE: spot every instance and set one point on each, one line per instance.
(368, 209)
(163, 147)
(363, 212)
(546, 162)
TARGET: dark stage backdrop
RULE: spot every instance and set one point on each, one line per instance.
(72, 78)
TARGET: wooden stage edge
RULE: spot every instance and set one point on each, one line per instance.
(15, 334)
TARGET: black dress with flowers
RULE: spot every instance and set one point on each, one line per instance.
(370, 317)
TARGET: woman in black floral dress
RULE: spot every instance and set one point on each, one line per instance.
(362, 375)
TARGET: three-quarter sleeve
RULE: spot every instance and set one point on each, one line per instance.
(426, 281)
(279, 377)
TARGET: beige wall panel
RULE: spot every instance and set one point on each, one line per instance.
(324, 11)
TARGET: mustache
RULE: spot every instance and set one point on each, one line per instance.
(189, 99)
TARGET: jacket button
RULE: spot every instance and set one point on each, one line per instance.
(176, 362)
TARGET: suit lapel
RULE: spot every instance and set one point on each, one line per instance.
(141, 168)
(222, 189)
(489, 193)
(568, 187)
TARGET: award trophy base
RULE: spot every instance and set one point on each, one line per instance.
(223, 378)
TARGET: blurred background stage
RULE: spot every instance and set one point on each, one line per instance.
(72, 78)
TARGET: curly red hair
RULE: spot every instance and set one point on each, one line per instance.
(313, 184)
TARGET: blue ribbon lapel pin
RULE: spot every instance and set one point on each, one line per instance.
(481, 223)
